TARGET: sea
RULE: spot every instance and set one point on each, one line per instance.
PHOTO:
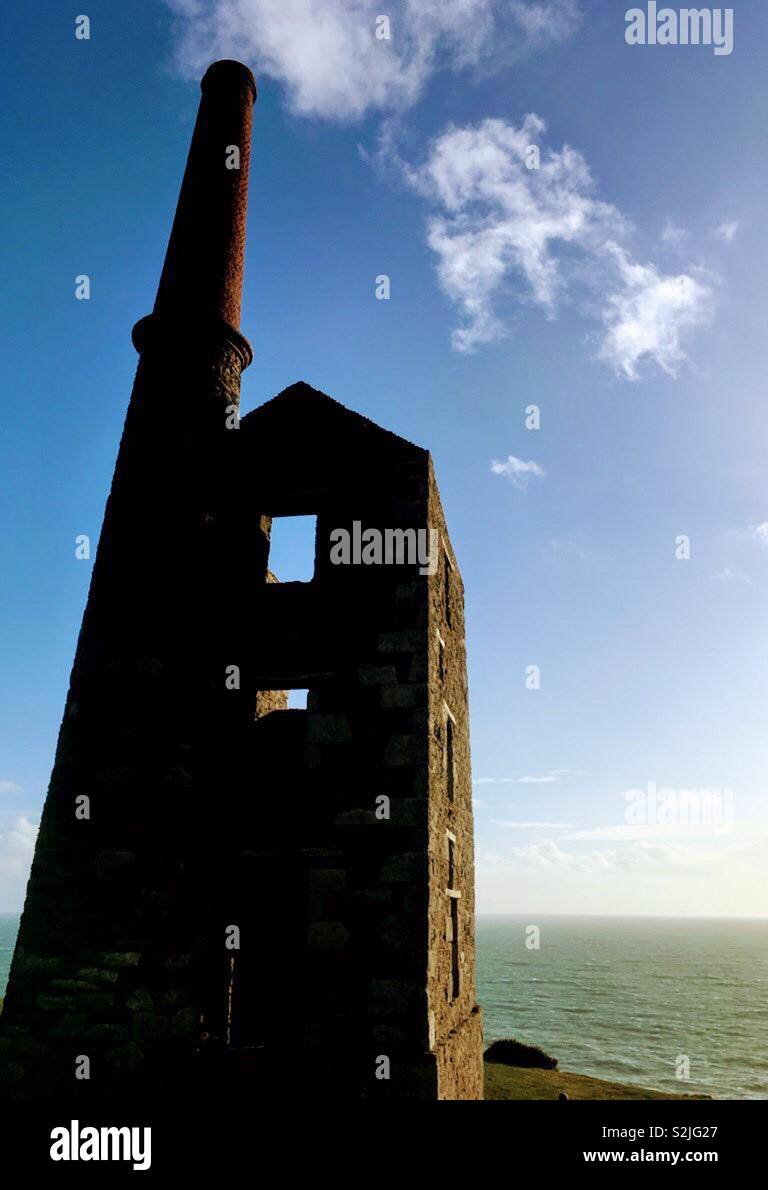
(678, 1005)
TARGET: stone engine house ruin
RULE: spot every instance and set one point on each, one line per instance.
(222, 885)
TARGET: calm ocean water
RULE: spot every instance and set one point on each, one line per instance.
(622, 998)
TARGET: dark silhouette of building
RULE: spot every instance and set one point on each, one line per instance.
(223, 887)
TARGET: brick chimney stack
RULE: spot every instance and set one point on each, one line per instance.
(202, 277)
(203, 271)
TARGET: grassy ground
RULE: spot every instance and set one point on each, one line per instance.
(516, 1082)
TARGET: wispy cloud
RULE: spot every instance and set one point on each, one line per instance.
(10, 787)
(568, 549)
(659, 830)
(672, 234)
(509, 221)
(758, 533)
(520, 826)
(646, 317)
(732, 575)
(640, 857)
(334, 59)
(551, 776)
(517, 471)
(727, 230)
(696, 876)
(17, 845)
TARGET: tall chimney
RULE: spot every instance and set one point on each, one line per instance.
(203, 270)
(202, 277)
(105, 960)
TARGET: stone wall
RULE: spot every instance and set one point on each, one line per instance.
(107, 960)
(223, 887)
(452, 995)
(321, 836)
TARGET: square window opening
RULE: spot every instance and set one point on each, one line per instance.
(292, 548)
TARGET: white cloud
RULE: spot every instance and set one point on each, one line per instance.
(697, 877)
(758, 533)
(332, 64)
(672, 234)
(551, 776)
(10, 787)
(545, 21)
(517, 471)
(20, 836)
(732, 575)
(498, 218)
(501, 227)
(492, 780)
(727, 230)
(646, 317)
(569, 549)
(640, 856)
(17, 845)
(530, 825)
(672, 830)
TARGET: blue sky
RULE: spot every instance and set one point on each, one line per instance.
(619, 287)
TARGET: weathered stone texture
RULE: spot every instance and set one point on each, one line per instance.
(253, 885)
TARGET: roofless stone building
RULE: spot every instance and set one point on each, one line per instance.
(226, 891)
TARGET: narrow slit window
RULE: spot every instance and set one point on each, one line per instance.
(455, 971)
(453, 922)
(450, 775)
(292, 548)
(447, 588)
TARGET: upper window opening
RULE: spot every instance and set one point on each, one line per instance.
(292, 548)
